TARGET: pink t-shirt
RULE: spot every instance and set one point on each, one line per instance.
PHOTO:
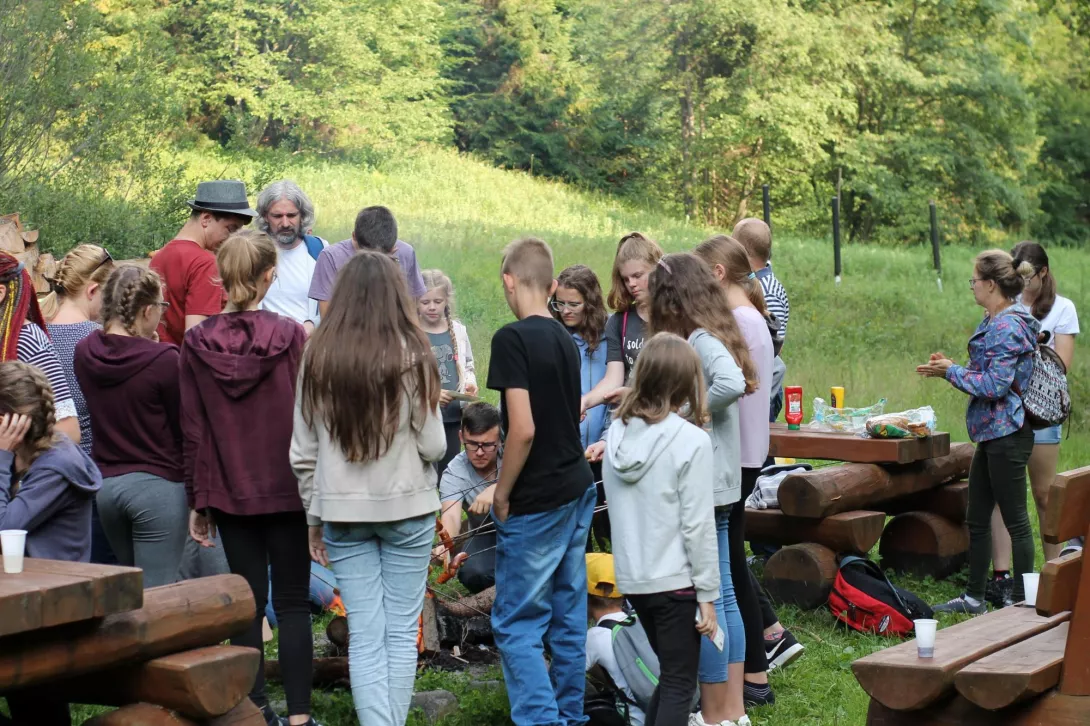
(753, 409)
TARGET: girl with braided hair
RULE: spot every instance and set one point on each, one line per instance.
(450, 344)
(46, 481)
(23, 337)
(130, 382)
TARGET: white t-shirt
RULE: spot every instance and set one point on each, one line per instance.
(600, 652)
(289, 294)
(1062, 319)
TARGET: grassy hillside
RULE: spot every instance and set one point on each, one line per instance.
(868, 334)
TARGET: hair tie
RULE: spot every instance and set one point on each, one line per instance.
(752, 276)
(663, 265)
(55, 285)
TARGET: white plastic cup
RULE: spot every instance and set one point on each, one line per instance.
(1030, 581)
(925, 637)
(13, 543)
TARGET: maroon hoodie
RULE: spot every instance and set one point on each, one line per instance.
(238, 398)
(131, 388)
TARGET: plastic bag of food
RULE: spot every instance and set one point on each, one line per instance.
(843, 420)
(919, 423)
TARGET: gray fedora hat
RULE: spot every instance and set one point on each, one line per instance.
(225, 197)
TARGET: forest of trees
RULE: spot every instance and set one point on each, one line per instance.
(692, 105)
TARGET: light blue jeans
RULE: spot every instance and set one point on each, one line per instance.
(382, 570)
(713, 664)
(541, 601)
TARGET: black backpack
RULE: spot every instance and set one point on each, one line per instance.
(864, 599)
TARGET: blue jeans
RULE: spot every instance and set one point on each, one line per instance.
(382, 570)
(1051, 435)
(541, 601)
(713, 664)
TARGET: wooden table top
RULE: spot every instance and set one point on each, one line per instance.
(807, 444)
(50, 592)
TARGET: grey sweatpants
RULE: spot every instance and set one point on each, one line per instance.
(146, 520)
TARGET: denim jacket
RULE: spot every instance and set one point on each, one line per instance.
(592, 368)
(999, 357)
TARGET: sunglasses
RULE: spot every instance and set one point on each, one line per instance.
(106, 257)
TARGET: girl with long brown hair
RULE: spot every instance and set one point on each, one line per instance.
(450, 346)
(367, 433)
(729, 263)
(238, 374)
(1060, 320)
(687, 299)
(658, 473)
(130, 381)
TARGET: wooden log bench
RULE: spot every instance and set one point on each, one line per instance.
(809, 444)
(924, 544)
(1019, 665)
(854, 532)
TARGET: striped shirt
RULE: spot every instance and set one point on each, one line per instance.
(65, 337)
(775, 298)
(35, 348)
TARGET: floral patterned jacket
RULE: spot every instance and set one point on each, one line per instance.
(999, 356)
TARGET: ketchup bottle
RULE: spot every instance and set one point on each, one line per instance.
(793, 406)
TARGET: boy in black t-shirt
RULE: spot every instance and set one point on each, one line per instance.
(544, 499)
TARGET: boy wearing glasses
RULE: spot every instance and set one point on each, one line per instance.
(469, 483)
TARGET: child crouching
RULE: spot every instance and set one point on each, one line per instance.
(658, 480)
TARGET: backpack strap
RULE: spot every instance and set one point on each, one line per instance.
(314, 245)
(875, 570)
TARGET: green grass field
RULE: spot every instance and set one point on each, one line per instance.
(868, 334)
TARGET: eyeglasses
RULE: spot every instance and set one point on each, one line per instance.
(474, 446)
(560, 305)
(163, 304)
(973, 281)
(106, 257)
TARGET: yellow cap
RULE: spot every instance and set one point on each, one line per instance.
(600, 578)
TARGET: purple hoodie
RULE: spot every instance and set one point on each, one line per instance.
(52, 502)
(131, 388)
(238, 404)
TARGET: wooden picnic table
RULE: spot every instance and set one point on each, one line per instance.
(50, 592)
(808, 444)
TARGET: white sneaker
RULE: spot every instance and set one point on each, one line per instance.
(744, 721)
(697, 719)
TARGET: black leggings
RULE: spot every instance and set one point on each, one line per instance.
(253, 544)
(748, 604)
(768, 615)
(669, 619)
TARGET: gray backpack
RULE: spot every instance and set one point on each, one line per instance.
(638, 663)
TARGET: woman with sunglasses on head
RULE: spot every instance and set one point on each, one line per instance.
(1060, 321)
(73, 309)
(578, 304)
(1000, 364)
(130, 383)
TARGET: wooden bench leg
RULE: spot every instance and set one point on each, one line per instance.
(801, 575)
(1052, 709)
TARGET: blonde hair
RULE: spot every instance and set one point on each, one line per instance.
(25, 390)
(79, 268)
(129, 289)
(633, 247)
(999, 267)
(530, 260)
(436, 278)
(729, 254)
(667, 376)
(755, 236)
(241, 261)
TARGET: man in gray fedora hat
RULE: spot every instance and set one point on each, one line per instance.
(187, 264)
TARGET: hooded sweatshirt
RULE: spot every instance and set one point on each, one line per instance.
(999, 363)
(52, 502)
(726, 385)
(131, 388)
(238, 373)
(658, 480)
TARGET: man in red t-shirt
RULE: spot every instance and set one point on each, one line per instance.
(187, 265)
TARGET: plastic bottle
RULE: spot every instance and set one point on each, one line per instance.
(793, 407)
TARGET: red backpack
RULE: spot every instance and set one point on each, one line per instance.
(864, 599)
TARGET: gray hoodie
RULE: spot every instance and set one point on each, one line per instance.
(658, 482)
(726, 385)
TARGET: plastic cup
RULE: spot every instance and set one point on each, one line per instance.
(925, 637)
(13, 542)
(1030, 580)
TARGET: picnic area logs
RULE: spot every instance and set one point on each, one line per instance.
(185, 615)
(1051, 709)
(200, 684)
(845, 532)
(1015, 674)
(801, 574)
(949, 501)
(849, 487)
(145, 714)
(924, 544)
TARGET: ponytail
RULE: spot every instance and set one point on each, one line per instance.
(242, 260)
